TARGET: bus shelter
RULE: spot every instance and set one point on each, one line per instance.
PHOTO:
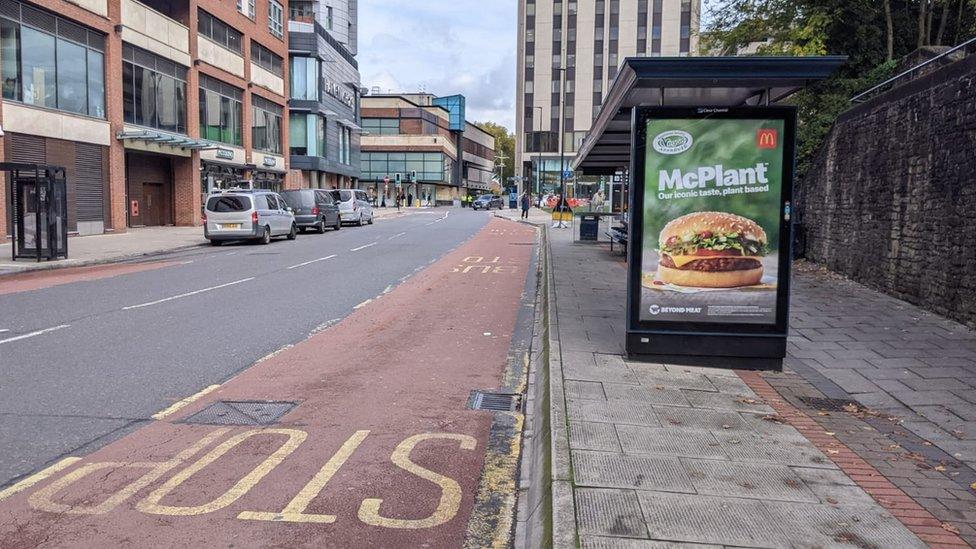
(709, 145)
(39, 200)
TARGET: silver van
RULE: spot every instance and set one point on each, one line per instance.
(247, 215)
(354, 206)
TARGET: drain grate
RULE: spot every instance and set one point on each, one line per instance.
(521, 243)
(241, 412)
(496, 402)
(830, 404)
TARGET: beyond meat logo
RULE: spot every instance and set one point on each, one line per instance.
(673, 142)
(657, 309)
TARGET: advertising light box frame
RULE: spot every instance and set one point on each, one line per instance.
(726, 342)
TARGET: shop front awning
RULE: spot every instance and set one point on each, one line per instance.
(166, 139)
(690, 82)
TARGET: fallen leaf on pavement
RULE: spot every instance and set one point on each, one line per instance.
(774, 419)
(949, 528)
(940, 468)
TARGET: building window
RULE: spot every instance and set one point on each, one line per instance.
(306, 134)
(246, 7)
(529, 86)
(266, 59)
(530, 61)
(382, 126)
(530, 9)
(221, 111)
(305, 78)
(329, 20)
(219, 32)
(276, 16)
(345, 145)
(265, 125)
(153, 90)
(301, 11)
(431, 167)
(50, 62)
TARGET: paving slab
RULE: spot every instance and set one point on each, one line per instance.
(667, 455)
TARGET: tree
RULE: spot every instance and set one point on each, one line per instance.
(504, 147)
(872, 34)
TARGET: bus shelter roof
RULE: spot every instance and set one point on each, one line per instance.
(690, 82)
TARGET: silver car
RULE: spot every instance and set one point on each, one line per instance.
(354, 206)
(247, 215)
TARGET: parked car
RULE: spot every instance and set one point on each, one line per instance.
(354, 206)
(487, 202)
(313, 208)
(247, 215)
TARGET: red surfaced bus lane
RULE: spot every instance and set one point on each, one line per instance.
(378, 450)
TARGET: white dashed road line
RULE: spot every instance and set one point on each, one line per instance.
(398, 235)
(312, 261)
(363, 304)
(32, 334)
(363, 247)
(188, 294)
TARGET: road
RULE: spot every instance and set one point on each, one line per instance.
(124, 353)
(151, 426)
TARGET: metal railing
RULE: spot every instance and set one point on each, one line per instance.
(861, 97)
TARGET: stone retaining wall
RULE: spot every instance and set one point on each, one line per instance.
(890, 200)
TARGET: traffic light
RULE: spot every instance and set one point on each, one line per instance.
(396, 178)
(413, 175)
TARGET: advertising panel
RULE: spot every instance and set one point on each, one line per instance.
(710, 213)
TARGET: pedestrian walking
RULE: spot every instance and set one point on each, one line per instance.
(410, 200)
(526, 201)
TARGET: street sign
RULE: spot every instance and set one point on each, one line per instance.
(567, 174)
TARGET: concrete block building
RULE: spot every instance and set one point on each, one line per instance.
(425, 143)
(569, 53)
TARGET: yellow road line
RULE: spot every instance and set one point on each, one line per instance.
(177, 406)
(38, 477)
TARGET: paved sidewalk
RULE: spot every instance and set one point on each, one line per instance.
(110, 247)
(137, 243)
(705, 456)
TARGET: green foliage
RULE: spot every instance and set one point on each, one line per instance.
(504, 145)
(855, 28)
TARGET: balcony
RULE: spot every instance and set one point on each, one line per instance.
(151, 30)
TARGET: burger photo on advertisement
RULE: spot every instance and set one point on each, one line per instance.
(712, 250)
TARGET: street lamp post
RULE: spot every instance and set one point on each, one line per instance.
(538, 178)
(562, 136)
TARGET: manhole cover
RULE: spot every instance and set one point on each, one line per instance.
(830, 404)
(242, 412)
(496, 402)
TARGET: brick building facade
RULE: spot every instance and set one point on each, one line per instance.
(148, 105)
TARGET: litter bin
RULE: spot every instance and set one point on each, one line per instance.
(589, 227)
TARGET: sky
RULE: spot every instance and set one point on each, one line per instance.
(445, 47)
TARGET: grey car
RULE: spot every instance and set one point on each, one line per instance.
(487, 202)
(247, 215)
(354, 206)
(314, 209)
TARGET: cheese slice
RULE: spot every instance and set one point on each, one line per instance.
(682, 260)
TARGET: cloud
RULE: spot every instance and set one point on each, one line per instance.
(444, 48)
